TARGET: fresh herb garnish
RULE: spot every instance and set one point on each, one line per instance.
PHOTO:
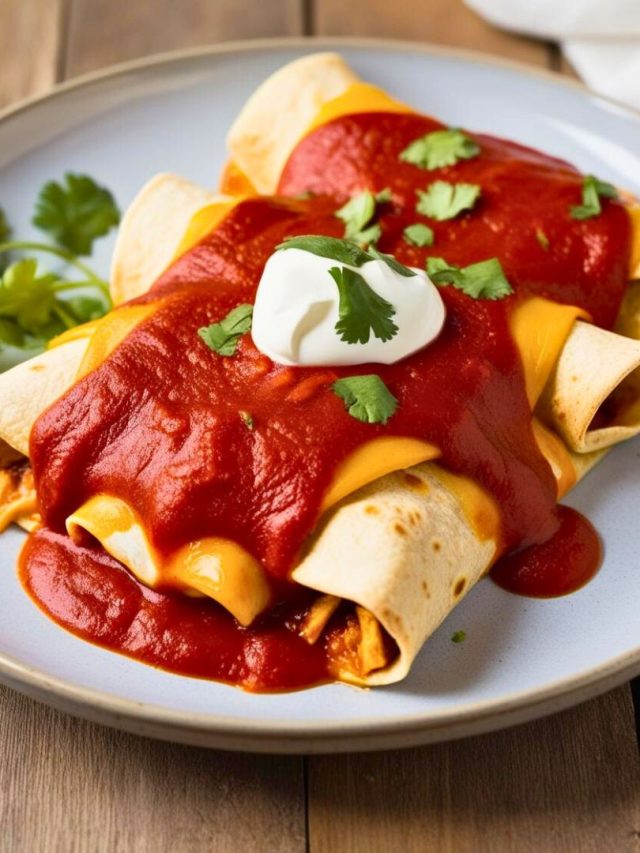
(384, 196)
(440, 148)
(592, 191)
(443, 200)
(5, 228)
(361, 309)
(542, 238)
(76, 213)
(29, 298)
(34, 305)
(366, 398)
(342, 251)
(5, 234)
(419, 234)
(484, 280)
(459, 637)
(358, 213)
(223, 337)
(247, 419)
(392, 262)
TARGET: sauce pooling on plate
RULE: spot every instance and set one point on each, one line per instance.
(160, 425)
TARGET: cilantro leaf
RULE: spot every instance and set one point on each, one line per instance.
(5, 228)
(443, 200)
(458, 636)
(333, 248)
(5, 234)
(10, 333)
(361, 309)
(247, 419)
(592, 191)
(419, 234)
(76, 213)
(370, 235)
(26, 297)
(391, 262)
(343, 251)
(484, 280)
(35, 308)
(366, 398)
(357, 214)
(440, 148)
(86, 308)
(223, 337)
(542, 239)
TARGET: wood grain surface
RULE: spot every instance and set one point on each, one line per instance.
(567, 783)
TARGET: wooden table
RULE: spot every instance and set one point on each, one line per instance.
(567, 783)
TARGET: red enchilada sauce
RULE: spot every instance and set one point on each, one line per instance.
(159, 423)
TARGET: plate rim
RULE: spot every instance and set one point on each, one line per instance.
(227, 732)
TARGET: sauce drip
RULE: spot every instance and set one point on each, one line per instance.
(559, 566)
(93, 596)
(158, 425)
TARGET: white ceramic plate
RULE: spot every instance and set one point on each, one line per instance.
(522, 657)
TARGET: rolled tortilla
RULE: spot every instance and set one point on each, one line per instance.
(275, 116)
(413, 554)
(152, 232)
(410, 535)
(592, 366)
(415, 544)
(310, 92)
(31, 387)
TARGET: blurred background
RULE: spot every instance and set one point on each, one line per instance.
(46, 41)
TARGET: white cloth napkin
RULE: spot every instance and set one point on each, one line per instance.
(600, 38)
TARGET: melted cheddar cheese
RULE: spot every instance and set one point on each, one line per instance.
(213, 567)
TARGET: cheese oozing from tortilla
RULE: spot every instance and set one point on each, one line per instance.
(213, 567)
(298, 306)
(540, 329)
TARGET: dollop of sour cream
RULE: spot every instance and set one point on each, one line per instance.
(296, 311)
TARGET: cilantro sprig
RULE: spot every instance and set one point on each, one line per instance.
(440, 148)
(361, 310)
(343, 251)
(366, 398)
(358, 213)
(37, 304)
(592, 191)
(223, 337)
(483, 280)
(443, 200)
(76, 212)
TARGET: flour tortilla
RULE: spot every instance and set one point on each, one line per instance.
(280, 110)
(284, 108)
(399, 547)
(405, 547)
(594, 364)
(151, 232)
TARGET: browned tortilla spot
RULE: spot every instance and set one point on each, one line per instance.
(459, 587)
